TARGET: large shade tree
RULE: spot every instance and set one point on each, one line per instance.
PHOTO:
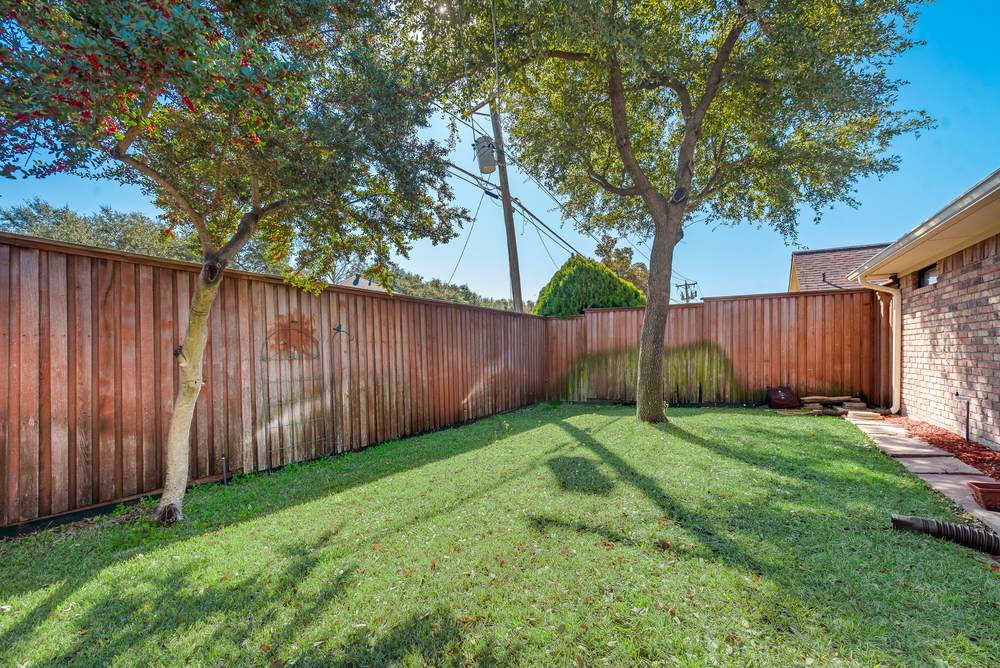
(286, 119)
(642, 114)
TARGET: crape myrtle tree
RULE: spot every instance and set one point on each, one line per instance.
(287, 119)
(644, 114)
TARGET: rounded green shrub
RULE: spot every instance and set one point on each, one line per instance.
(581, 284)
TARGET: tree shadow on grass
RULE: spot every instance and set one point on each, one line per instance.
(211, 507)
(227, 508)
(840, 465)
(542, 523)
(191, 624)
(698, 527)
(438, 638)
(578, 474)
(813, 562)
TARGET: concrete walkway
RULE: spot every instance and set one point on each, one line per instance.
(935, 466)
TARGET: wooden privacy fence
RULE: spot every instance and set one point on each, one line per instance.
(87, 338)
(730, 349)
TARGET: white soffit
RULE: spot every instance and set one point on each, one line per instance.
(971, 218)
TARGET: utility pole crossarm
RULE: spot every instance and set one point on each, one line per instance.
(688, 291)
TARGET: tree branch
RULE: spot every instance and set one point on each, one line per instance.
(604, 183)
(711, 187)
(123, 145)
(254, 192)
(619, 121)
(715, 74)
(524, 60)
(685, 156)
(120, 153)
(245, 230)
(660, 81)
(197, 219)
(567, 55)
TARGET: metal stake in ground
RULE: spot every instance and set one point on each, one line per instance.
(968, 402)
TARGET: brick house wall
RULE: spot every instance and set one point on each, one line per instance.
(951, 343)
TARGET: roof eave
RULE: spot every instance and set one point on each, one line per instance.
(980, 194)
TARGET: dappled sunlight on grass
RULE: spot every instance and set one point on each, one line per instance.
(570, 535)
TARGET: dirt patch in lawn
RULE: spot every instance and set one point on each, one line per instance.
(975, 455)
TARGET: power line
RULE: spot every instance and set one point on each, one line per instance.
(471, 183)
(545, 247)
(524, 208)
(478, 182)
(557, 240)
(512, 158)
(468, 236)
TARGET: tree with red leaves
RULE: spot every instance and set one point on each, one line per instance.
(289, 120)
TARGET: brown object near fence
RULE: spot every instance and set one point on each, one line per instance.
(87, 336)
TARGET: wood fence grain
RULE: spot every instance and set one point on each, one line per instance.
(87, 338)
(731, 349)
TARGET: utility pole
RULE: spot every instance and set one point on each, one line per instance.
(508, 208)
(689, 291)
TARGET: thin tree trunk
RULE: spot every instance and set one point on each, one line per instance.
(189, 356)
(649, 386)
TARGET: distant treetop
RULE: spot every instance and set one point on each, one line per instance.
(581, 284)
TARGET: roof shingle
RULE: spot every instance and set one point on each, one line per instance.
(827, 268)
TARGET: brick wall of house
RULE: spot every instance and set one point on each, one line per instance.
(951, 343)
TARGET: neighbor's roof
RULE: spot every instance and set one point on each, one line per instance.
(827, 268)
(360, 282)
(971, 218)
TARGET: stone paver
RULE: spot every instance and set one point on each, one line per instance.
(914, 449)
(883, 431)
(937, 465)
(956, 489)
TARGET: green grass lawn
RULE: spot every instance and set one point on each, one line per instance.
(571, 536)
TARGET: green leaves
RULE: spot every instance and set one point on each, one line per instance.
(290, 120)
(804, 109)
(581, 284)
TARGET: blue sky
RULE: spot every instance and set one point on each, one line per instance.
(952, 77)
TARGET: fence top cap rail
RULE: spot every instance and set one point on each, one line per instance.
(68, 247)
(775, 295)
(770, 295)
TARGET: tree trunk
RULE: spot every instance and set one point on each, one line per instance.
(649, 386)
(189, 357)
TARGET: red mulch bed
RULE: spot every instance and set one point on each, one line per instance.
(972, 453)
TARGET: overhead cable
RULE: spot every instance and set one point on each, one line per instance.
(467, 237)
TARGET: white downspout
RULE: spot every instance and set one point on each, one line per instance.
(897, 338)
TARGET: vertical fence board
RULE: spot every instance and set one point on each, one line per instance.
(88, 337)
(28, 353)
(5, 363)
(105, 379)
(126, 359)
(147, 376)
(14, 388)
